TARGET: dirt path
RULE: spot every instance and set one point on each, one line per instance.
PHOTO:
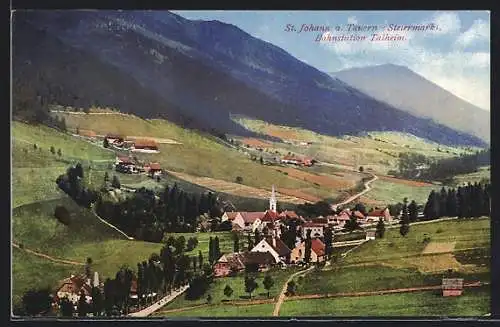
(355, 196)
(45, 256)
(381, 292)
(159, 304)
(281, 297)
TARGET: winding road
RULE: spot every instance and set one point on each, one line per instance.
(63, 261)
(357, 195)
(281, 298)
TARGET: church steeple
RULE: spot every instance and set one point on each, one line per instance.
(272, 201)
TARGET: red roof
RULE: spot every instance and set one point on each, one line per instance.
(318, 247)
(145, 144)
(270, 216)
(289, 214)
(287, 157)
(250, 217)
(231, 215)
(154, 166)
(320, 220)
(358, 214)
(113, 136)
(377, 213)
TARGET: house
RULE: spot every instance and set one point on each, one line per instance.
(125, 165)
(286, 215)
(235, 218)
(251, 220)
(291, 160)
(370, 235)
(235, 262)
(317, 252)
(148, 146)
(452, 286)
(229, 215)
(317, 230)
(275, 247)
(320, 220)
(359, 215)
(153, 169)
(112, 138)
(375, 215)
(71, 287)
(229, 263)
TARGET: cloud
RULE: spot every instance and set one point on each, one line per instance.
(465, 74)
(478, 32)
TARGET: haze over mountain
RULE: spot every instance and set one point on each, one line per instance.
(195, 73)
(407, 90)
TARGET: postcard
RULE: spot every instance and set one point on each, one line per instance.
(259, 164)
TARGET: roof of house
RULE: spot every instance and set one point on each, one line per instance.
(74, 285)
(231, 215)
(318, 247)
(288, 157)
(270, 216)
(261, 258)
(377, 213)
(154, 166)
(125, 160)
(343, 216)
(280, 247)
(358, 214)
(251, 217)
(312, 224)
(320, 220)
(145, 143)
(289, 214)
(234, 260)
(113, 136)
(453, 283)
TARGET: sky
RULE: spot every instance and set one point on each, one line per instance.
(456, 56)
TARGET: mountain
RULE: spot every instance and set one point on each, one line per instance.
(404, 89)
(192, 72)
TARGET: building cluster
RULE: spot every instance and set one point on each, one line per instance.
(135, 145)
(272, 251)
(129, 165)
(298, 161)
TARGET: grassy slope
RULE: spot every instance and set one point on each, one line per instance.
(376, 150)
(474, 302)
(482, 174)
(393, 192)
(197, 155)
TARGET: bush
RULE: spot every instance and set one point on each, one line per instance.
(391, 244)
(239, 179)
(62, 214)
(439, 230)
(426, 240)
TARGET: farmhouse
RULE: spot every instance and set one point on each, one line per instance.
(147, 146)
(125, 165)
(251, 220)
(452, 286)
(286, 215)
(71, 287)
(235, 262)
(291, 160)
(275, 247)
(112, 138)
(317, 252)
(375, 215)
(316, 229)
(153, 169)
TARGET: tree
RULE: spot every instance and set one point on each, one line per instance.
(211, 250)
(106, 177)
(37, 301)
(291, 288)
(59, 153)
(52, 150)
(405, 219)
(250, 285)
(361, 169)
(82, 305)
(413, 211)
(115, 182)
(62, 214)
(66, 307)
(105, 143)
(79, 170)
(236, 244)
(261, 161)
(380, 231)
(308, 247)
(249, 243)
(217, 253)
(361, 208)
(239, 179)
(268, 283)
(328, 238)
(97, 304)
(257, 237)
(209, 299)
(352, 224)
(195, 263)
(200, 259)
(34, 146)
(228, 291)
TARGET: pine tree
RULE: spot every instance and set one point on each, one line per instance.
(236, 244)
(328, 237)
(380, 231)
(59, 152)
(405, 219)
(228, 291)
(217, 253)
(195, 263)
(413, 211)
(249, 243)
(268, 283)
(52, 150)
(451, 203)
(443, 195)
(257, 237)
(82, 305)
(308, 245)
(200, 260)
(211, 250)
(115, 182)
(461, 205)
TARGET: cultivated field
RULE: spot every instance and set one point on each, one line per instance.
(388, 191)
(220, 310)
(480, 176)
(242, 190)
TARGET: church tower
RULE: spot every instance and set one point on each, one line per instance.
(272, 201)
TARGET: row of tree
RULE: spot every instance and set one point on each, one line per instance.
(472, 200)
